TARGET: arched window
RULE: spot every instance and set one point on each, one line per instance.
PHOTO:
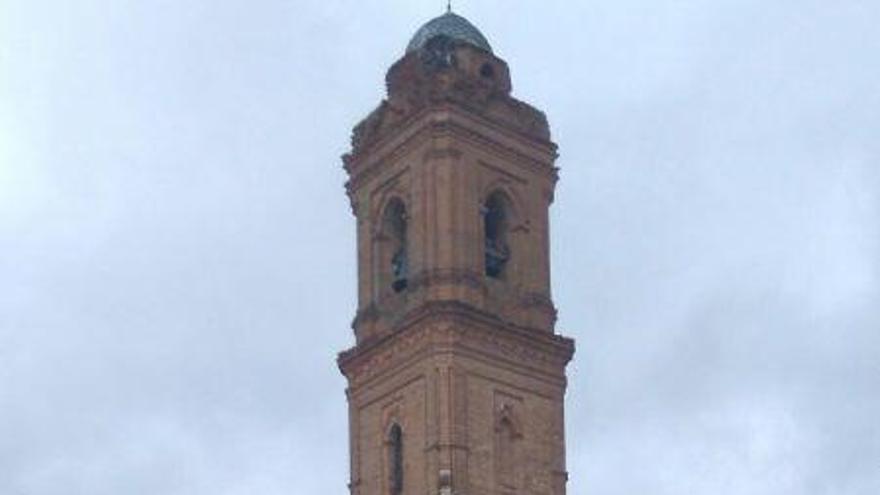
(505, 445)
(395, 460)
(507, 436)
(495, 227)
(395, 228)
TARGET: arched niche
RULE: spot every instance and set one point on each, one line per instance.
(392, 249)
(508, 434)
(394, 459)
(499, 218)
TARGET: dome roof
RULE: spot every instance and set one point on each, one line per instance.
(451, 25)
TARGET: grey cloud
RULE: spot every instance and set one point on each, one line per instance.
(177, 253)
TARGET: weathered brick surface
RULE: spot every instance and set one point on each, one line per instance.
(468, 365)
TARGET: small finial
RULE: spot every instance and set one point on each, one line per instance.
(448, 6)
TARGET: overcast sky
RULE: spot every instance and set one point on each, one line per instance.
(177, 252)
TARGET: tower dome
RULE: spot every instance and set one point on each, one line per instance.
(451, 25)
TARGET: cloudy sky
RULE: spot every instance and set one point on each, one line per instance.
(176, 250)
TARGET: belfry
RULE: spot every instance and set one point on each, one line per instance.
(456, 382)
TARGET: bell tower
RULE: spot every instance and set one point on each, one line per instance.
(456, 382)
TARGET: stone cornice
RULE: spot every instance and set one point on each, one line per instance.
(459, 328)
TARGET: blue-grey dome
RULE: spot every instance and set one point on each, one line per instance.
(451, 25)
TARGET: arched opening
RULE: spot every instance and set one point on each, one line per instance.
(495, 230)
(487, 71)
(395, 460)
(506, 434)
(396, 260)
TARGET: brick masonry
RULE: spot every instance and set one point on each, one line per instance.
(468, 365)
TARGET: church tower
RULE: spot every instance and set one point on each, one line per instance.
(456, 382)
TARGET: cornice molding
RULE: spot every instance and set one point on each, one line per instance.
(456, 327)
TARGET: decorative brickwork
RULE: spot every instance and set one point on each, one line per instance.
(457, 379)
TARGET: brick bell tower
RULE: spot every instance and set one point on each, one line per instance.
(457, 379)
